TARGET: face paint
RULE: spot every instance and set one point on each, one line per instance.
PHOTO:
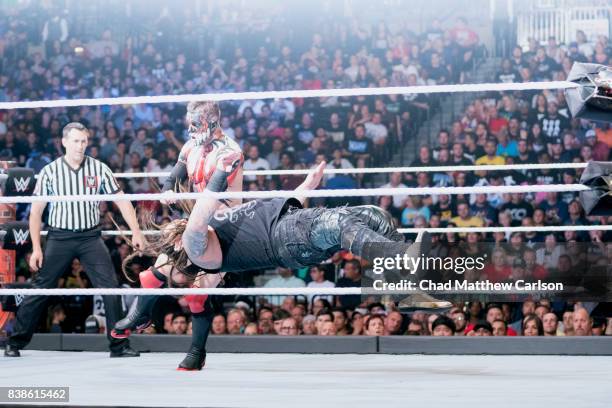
(200, 130)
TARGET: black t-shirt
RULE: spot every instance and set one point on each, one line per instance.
(418, 163)
(554, 127)
(518, 211)
(352, 301)
(547, 176)
(474, 154)
(530, 158)
(512, 76)
(439, 74)
(338, 134)
(244, 234)
(464, 161)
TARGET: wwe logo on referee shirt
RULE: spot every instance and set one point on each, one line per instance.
(21, 184)
(18, 299)
(21, 236)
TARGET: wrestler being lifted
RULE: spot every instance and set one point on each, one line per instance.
(263, 234)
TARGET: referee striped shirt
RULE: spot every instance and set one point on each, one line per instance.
(58, 178)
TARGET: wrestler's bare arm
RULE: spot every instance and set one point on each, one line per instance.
(312, 181)
(196, 240)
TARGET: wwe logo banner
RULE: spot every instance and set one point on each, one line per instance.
(15, 235)
(21, 236)
(19, 181)
(21, 184)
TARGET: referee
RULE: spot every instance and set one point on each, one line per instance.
(73, 233)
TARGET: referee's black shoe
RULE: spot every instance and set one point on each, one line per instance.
(11, 351)
(126, 351)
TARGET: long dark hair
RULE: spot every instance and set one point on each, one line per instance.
(162, 243)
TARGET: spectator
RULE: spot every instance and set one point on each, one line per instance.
(265, 321)
(179, 324)
(254, 162)
(532, 326)
(550, 324)
(58, 315)
(490, 156)
(250, 329)
(482, 328)
(284, 279)
(352, 279)
(358, 146)
(168, 323)
(288, 327)
(340, 321)
(500, 328)
(460, 321)
(568, 323)
(218, 325)
(375, 326)
(317, 276)
(278, 317)
(443, 326)
(393, 323)
(308, 325)
(552, 123)
(324, 316)
(582, 323)
(327, 329)
(236, 322)
(464, 218)
(528, 308)
(395, 181)
(598, 328)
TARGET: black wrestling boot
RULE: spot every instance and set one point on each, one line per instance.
(137, 319)
(11, 351)
(194, 360)
(126, 351)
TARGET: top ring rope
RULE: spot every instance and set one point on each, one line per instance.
(356, 192)
(375, 170)
(314, 93)
(535, 228)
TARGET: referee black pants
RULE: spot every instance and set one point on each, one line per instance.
(61, 248)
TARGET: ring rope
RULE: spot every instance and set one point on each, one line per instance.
(547, 228)
(355, 192)
(374, 170)
(226, 292)
(314, 93)
(182, 291)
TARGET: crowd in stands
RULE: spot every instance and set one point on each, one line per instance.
(521, 127)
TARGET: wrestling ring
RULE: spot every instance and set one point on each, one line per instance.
(421, 374)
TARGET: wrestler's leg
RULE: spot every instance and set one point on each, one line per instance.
(378, 220)
(339, 228)
(201, 322)
(138, 317)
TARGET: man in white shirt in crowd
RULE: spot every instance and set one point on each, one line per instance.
(255, 162)
(317, 274)
(285, 279)
(395, 181)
